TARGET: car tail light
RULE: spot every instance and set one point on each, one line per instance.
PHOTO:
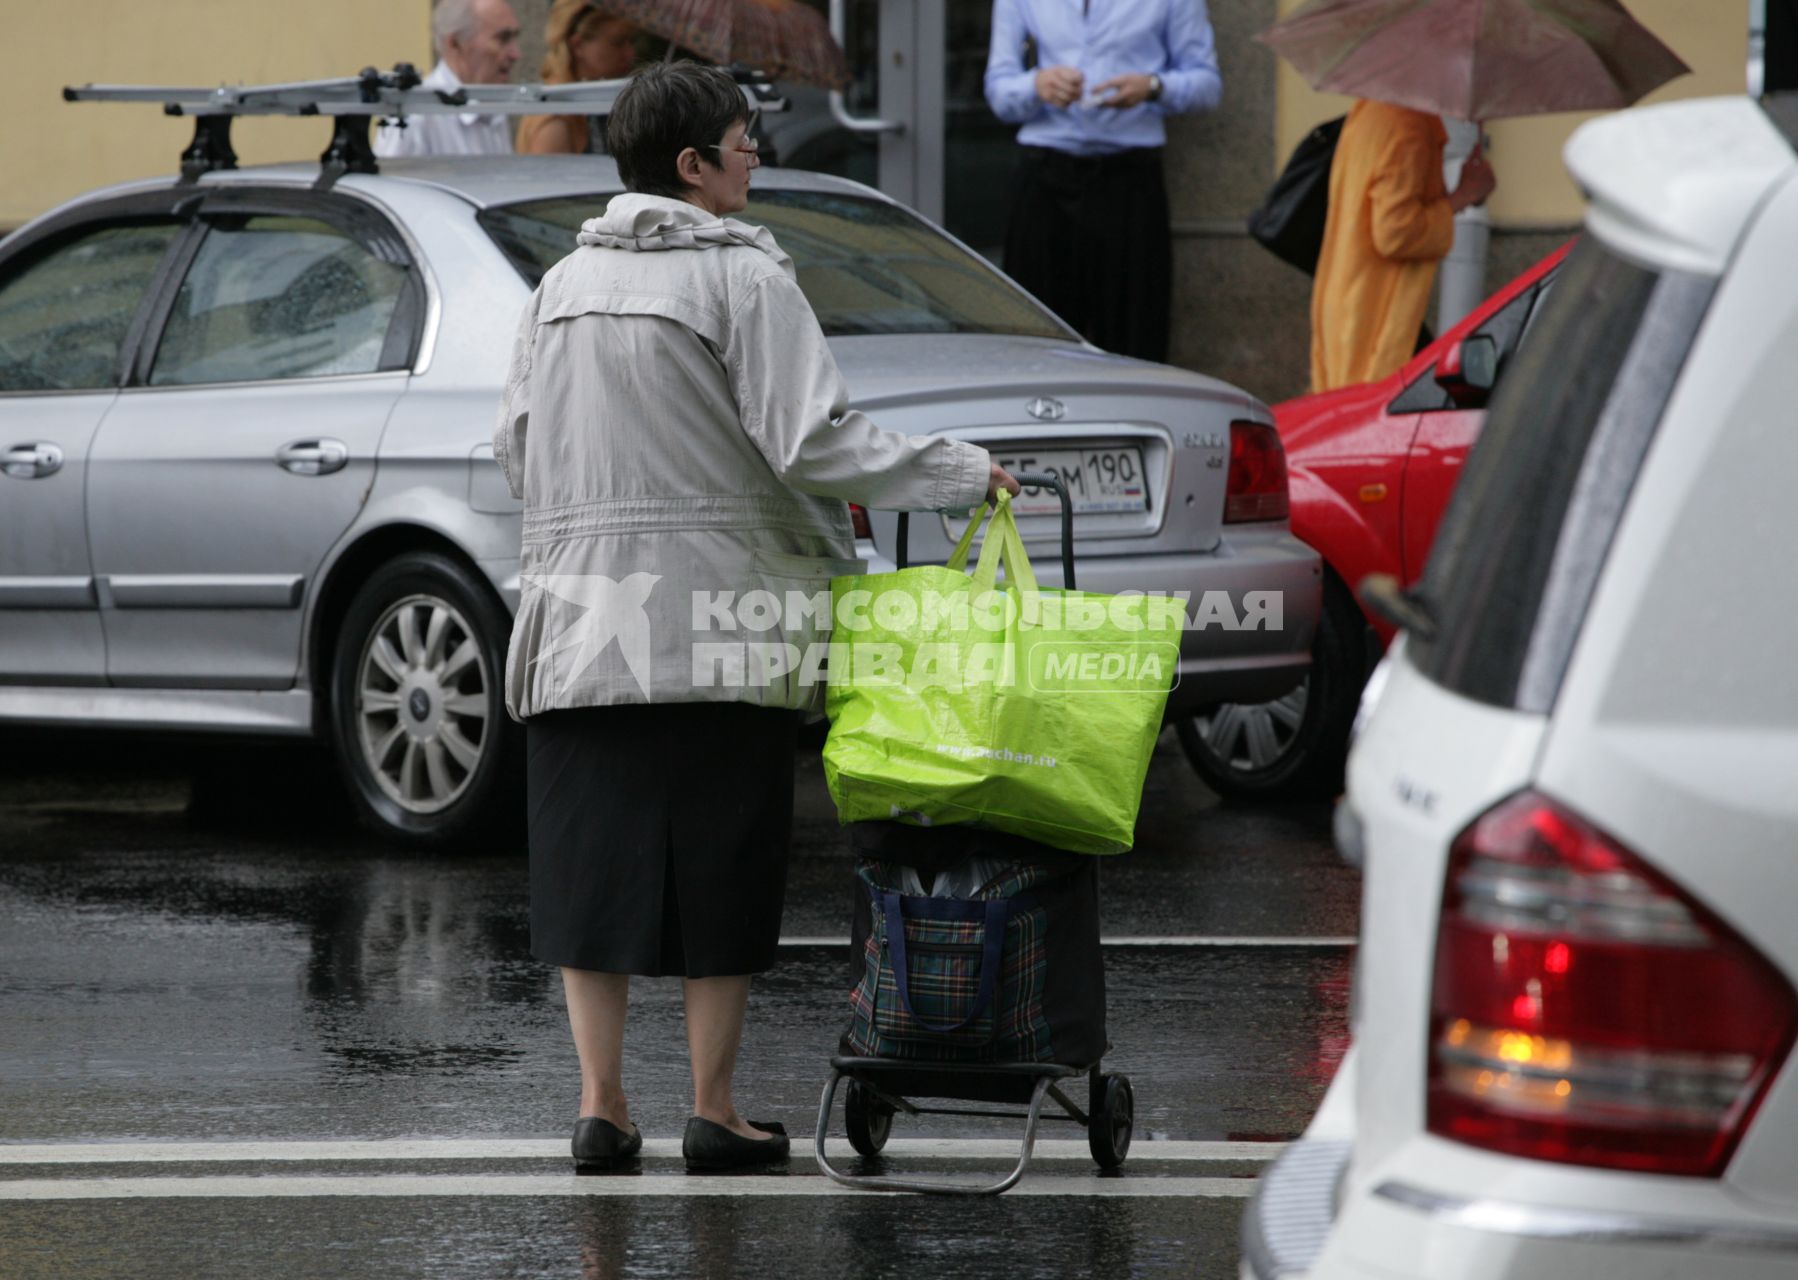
(1257, 485)
(1589, 1011)
(858, 516)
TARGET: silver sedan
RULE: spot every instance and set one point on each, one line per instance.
(248, 485)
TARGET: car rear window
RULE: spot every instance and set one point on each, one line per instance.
(1531, 521)
(866, 266)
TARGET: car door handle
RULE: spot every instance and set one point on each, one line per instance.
(313, 457)
(33, 461)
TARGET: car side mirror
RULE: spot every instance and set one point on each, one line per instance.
(1468, 371)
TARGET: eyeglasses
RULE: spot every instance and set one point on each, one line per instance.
(748, 146)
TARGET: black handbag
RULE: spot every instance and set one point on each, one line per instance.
(1290, 220)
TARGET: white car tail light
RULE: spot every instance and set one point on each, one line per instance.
(1256, 489)
(1587, 1010)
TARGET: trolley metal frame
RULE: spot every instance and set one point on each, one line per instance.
(885, 1084)
(878, 1087)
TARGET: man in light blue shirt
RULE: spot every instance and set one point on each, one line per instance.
(1089, 223)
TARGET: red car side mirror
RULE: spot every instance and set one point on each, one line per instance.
(1468, 371)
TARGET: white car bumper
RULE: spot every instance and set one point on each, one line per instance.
(1437, 1209)
(1289, 1218)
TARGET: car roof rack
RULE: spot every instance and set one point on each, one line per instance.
(353, 102)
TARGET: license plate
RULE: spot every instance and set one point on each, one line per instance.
(1098, 479)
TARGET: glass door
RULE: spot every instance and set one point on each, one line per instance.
(915, 121)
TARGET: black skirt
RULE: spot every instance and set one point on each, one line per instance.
(659, 836)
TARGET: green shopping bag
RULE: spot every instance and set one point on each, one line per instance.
(955, 698)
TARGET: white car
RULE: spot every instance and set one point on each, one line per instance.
(1576, 782)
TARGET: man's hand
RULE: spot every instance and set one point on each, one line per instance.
(1126, 91)
(999, 478)
(1059, 86)
(1477, 182)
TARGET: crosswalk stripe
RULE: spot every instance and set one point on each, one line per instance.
(487, 1185)
(409, 1149)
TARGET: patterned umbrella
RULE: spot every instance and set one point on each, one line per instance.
(1477, 59)
(785, 38)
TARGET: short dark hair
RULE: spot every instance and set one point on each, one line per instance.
(666, 108)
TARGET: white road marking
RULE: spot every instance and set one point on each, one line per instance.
(423, 1185)
(1171, 940)
(407, 1149)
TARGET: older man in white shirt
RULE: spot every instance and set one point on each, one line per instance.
(477, 43)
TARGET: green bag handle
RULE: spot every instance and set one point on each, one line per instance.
(958, 558)
(1003, 542)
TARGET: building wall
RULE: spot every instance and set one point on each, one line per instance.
(1239, 313)
(54, 150)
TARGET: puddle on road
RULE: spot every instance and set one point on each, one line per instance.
(285, 980)
(876, 1237)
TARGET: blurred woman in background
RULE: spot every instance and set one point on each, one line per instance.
(585, 43)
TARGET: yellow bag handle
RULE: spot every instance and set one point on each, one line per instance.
(1003, 542)
(958, 558)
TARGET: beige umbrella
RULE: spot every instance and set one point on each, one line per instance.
(785, 38)
(1477, 59)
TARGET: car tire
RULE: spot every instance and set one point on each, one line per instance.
(1293, 747)
(418, 711)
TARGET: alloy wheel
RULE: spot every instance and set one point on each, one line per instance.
(1253, 736)
(422, 703)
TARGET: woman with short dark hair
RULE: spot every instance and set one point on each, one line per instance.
(681, 439)
(674, 108)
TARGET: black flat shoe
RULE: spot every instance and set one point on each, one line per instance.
(600, 1146)
(712, 1148)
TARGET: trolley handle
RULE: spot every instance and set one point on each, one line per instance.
(1030, 480)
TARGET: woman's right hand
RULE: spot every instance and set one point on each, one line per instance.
(1476, 184)
(999, 479)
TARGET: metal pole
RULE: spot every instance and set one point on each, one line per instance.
(1462, 281)
(1757, 47)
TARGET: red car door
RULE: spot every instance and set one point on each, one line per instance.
(1446, 431)
(1438, 448)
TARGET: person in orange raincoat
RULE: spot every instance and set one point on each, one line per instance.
(1391, 221)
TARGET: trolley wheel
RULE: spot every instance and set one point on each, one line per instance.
(1113, 1120)
(868, 1119)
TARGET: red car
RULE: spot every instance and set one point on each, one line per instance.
(1370, 469)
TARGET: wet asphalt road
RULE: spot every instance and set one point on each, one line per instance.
(198, 948)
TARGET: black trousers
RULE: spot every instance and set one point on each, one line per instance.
(1089, 237)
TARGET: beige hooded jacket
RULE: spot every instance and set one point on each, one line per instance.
(681, 438)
